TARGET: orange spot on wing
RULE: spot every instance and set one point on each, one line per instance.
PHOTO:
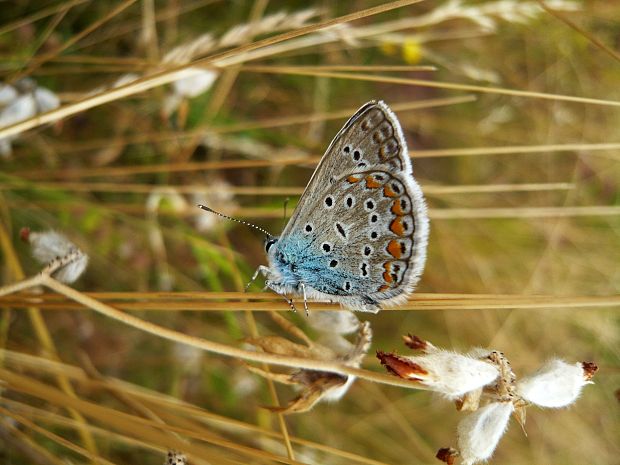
(394, 248)
(397, 209)
(387, 277)
(371, 182)
(353, 179)
(382, 288)
(396, 226)
(388, 192)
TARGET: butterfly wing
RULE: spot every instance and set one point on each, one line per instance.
(366, 213)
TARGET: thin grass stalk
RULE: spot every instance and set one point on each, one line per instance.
(251, 322)
(438, 214)
(171, 74)
(285, 161)
(215, 347)
(40, 60)
(135, 426)
(591, 38)
(266, 123)
(54, 437)
(39, 15)
(159, 402)
(43, 335)
(50, 418)
(236, 302)
(429, 190)
(18, 440)
(433, 84)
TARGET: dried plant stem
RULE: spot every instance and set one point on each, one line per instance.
(38, 61)
(612, 53)
(438, 85)
(238, 301)
(25, 444)
(17, 184)
(167, 76)
(284, 161)
(439, 214)
(54, 437)
(137, 426)
(267, 123)
(251, 321)
(39, 15)
(163, 404)
(43, 335)
(210, 346)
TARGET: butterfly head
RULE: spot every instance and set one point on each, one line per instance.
(270, 241)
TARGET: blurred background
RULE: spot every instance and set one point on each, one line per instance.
(511, 113)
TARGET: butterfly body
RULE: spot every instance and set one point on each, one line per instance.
(359, 233)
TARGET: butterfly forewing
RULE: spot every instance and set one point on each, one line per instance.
(371, 138)
(363, 214)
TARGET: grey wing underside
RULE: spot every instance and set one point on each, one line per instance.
(370, 142)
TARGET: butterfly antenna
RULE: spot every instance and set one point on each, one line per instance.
(204, 207)
(286, 201)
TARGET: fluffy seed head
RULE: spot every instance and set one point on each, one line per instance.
(55, 250)
(443, 371)
(556, 384)
(479, 432)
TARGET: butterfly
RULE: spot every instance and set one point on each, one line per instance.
(359, 233)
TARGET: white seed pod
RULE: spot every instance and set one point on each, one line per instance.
(193, 82)
(7, 94)
(339, 322)
(556, 384)
(337, 393)
(55, 250)
(21, 108)
(479, 432)
(448, 373)
(45, 99)
(6, 149)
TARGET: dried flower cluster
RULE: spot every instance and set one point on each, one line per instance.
(175, 458)
(194, 81)
(316, 385)
(63, 259)
(239, 34)
(485, 376)
(21, 101)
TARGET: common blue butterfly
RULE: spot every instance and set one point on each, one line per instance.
(359, 233)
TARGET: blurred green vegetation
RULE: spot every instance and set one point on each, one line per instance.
(570, 256)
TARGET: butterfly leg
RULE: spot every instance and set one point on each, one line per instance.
(262, 269)
(303, 290)
(291, 304)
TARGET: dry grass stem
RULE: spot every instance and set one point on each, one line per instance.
(170, 75)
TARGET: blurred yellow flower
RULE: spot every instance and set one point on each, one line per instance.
(412, 52)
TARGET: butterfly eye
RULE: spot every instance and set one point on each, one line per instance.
(269, 243)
